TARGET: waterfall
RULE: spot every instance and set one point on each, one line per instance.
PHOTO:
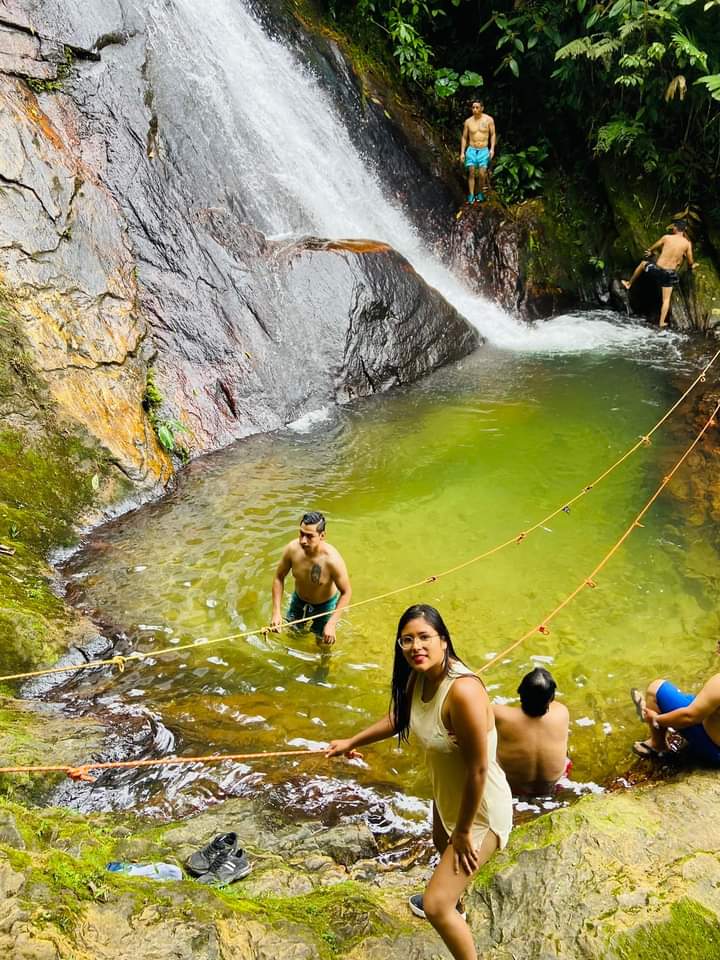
(284, 160)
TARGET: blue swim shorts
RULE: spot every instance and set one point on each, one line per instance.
(477, 157)
(300, 608)
(670, 698)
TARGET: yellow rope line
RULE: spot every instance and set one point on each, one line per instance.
(82, 772)
(589, 581)
(119, 660)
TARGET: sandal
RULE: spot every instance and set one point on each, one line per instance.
(639, 701)
(648, 752)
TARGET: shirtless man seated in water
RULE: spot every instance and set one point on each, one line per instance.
(532, 738)
(674, 247)
(695, 717)
(322, 585)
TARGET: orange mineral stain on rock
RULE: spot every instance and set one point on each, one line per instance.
(40, 119)
(358, 246)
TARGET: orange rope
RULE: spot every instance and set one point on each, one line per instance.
(82, 772)
(119, 660)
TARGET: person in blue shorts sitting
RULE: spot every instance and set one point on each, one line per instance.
(477, 148)
(695, 717)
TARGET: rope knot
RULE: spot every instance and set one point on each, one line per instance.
(119, 662)
(566, 508)
(588, 488)
(543, 629)
(645, 440)
(702, 378)
(80, 773)
(590, 583)
(521, 537)
(431, 579)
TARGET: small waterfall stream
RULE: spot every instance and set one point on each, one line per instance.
(285, 161)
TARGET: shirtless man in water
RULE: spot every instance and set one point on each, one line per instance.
(696, 717)
(322, 584)
(477, 148)
(532, 738)
(673, 247)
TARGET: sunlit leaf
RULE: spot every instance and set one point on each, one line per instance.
(166, 438)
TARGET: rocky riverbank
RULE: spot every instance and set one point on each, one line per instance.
(629, 875)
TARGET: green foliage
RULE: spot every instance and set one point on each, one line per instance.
(635, 82)
(409, 25)
(152, 398)
(712, 83)
(167, 430)
(447, 81)
(63, 72)
(517, 176)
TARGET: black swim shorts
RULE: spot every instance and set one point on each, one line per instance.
(662, 277)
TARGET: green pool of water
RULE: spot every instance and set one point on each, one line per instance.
(413, 482)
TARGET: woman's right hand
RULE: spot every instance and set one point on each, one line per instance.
(339, 748)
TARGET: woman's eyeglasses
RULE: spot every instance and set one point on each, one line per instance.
(423, 639)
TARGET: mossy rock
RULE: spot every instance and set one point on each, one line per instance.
(690, 932)
(567, 235)
(50, 475)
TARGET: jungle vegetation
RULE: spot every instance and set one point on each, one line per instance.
(634, 83)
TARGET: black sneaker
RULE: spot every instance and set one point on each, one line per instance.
(416, 905)
(227, 868)
(220, 846)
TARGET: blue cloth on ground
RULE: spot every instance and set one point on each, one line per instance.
(670, 698)
(300, 608)
(477, 157)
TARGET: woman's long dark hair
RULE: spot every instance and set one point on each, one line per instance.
(401, 696)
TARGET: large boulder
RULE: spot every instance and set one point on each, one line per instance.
(605, 878)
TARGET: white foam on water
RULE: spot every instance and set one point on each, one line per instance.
(305, 423)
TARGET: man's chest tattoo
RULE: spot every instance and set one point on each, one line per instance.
(315, 573)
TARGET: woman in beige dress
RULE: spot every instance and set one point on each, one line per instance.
(439, 700)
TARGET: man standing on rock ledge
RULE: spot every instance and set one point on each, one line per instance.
(322, 584)
(477, 148)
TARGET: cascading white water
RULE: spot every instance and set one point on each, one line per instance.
(285, 148)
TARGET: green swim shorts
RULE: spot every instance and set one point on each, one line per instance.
(300, 608)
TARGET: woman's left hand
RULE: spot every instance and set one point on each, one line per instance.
(464, 853)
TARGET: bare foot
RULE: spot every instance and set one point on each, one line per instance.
(626, 284)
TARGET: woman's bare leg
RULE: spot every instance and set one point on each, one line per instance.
(439, 833)
(443, 892)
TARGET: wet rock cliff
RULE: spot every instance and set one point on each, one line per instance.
(125, 248)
